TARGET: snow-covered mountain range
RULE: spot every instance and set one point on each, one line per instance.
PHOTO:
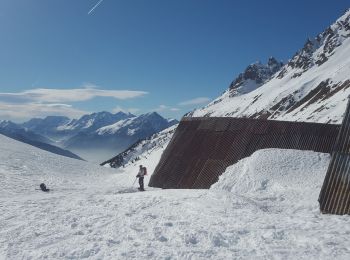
(61, 127)
(94, 137)
(9, 128)
(45, 126)
(94, 121)
(312, 86)
(27, 136)
(98, 145)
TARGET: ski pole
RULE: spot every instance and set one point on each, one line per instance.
(134, 181)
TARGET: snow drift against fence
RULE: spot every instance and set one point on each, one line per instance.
(282, 174)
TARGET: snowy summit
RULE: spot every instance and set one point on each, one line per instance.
(312, 86)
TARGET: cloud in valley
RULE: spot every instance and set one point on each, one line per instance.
(25, 111)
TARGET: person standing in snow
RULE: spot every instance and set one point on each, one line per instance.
(141, 174)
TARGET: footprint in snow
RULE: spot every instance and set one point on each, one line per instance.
(73, 225)
(191, 239)
(130, 190)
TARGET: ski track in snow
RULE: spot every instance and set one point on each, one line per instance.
(93, 212)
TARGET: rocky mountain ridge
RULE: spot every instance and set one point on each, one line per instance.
(312, 86)
(94, 137)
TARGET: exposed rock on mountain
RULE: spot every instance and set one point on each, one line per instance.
(142, 148)
(254, 76)
(312, 86)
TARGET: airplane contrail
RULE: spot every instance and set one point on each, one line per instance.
(95, 6)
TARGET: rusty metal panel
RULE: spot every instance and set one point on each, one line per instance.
(207, 124)
(335, 193)
(192, 174)
(223, 146)
(222, 125)
(202, 148)
(237, 148)
(252, 145)
(164, 178)
(209, 174)
(238, 125)
(262, 127)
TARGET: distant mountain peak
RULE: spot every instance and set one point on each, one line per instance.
(254, 76)
(124, 113)
(8, 124)
(152, 114)
(316, 51)
(272, 61)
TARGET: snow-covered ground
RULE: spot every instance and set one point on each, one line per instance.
(264, 207)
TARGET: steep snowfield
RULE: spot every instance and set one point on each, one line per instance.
(114, 128)
(91, 122)
(142, 150)
(94, 212)
(312, 86)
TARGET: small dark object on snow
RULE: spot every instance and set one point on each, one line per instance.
(43, 187)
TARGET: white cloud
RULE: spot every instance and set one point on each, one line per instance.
(68, 95)
(162, 108)
(195, 101)
(25, 111)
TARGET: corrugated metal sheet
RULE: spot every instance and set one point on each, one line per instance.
(335, 193)
(202, 148)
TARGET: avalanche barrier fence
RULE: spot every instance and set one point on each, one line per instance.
(335, 193)
(202, 148)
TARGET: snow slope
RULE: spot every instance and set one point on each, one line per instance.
(312, 86)
(94, 212)
(279, 176)
(152, 146)
(27, 136)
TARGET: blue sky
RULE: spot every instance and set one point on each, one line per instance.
(59, 57)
